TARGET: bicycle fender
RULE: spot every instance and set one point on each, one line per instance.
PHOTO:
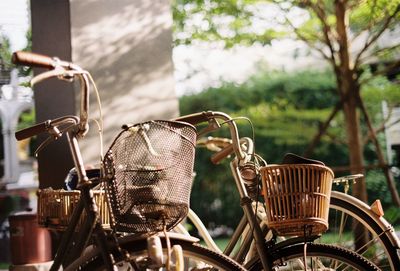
(385, 226)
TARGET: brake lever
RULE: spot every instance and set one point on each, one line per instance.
(44, 144)
(213, 125)
(55, 134)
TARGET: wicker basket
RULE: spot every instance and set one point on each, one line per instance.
(149, 171)
(55, 207)
(297, 198)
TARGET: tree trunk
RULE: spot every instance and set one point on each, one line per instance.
(352, 124)
(349, 90)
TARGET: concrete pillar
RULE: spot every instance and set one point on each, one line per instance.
(126, 45)
(51, 36)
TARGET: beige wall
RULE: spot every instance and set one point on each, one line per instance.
(126, 45)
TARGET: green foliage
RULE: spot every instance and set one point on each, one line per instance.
(214, 196)
(379, 89)
(286, 111)
(26, 119)
(305, 89)
(5, 52)
(259, 21)
(25, 70)
(371, 13)
(286, 129)
(377, 189)
(230, 22)
(392, 215)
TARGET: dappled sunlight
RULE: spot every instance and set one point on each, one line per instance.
(126, 47)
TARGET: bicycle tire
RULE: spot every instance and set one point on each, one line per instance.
(291, 257)
(388, 259)
(138, 248)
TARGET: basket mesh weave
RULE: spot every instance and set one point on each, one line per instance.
(148, 171)
(297, 198)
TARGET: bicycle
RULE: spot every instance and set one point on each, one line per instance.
(343, 209)
(87, 242)
(87, 245)
(269, 253)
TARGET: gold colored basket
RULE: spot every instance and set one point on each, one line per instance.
(297, 198)
(55, 207)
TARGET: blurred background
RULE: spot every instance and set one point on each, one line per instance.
(313, 81)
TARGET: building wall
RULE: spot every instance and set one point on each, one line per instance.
(126, 45)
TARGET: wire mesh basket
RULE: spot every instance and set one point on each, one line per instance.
(148, 171)
(55, 207)
(297, 198)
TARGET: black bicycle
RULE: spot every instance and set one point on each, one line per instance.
(119, 220)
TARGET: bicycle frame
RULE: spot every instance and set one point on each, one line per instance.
(74, 128)
(77, 236)
(240, 159)
(71, 248)
(242, 238)
(242, 228)
(74, 250)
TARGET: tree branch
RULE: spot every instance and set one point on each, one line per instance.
(322, 129)
(369, 25)
(320, 12)
(381, 159)
(307, 41)
(374, 38)
(380, 50)
(381, 128)
(336, 140)
(384, 71)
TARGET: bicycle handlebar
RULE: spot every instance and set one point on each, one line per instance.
(226, 148)
(32, 131)
(55, 64)
(221, 155)
(50, 126)
(211, 117)
(38, 60)
(196, 118)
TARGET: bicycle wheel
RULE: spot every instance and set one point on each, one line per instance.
(319, 257)
(379, 248)
(195, 257)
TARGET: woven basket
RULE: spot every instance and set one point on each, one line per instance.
(55, 207)
(149, 174)
(297, 198)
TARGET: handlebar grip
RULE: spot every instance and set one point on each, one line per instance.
(32, 59)
(222, 154)
(195, 118)
(32, 131)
